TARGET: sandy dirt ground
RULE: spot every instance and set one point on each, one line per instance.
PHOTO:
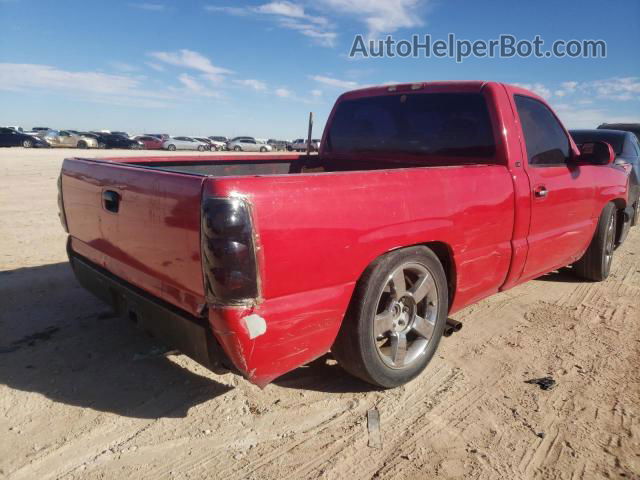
(82, 394)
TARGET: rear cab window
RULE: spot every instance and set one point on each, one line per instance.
(429, 126)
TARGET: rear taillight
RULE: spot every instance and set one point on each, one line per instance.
(228, 251)
(61, 214)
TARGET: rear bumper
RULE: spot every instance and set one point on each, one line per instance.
(176, 328)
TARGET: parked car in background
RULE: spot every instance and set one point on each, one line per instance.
(64, 138)
(248, 144)
(183, 143)
(14, 127)
(300, 145)
(40, 130)
(124, 134)
(219, 142)
(626, 146)
(206, 141)
(13, 138)
(278, 145)
(161, 136)
(365, 250)
(627, 127)
(110, 140)
(295, 144)
(149, 142)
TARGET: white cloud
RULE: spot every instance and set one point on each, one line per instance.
(319, 34)
(255, 84)
(625, 88)
(189, 59)
(92, 86)
(334, 82)
(237, 11)
(537, 88)
(283, 92)
(620, 88)
(194, 86)
(286, 9)
(150, 7)
(316, 93)
(570, 86)
(156, 66)
(381, 16)
(574, 117)
(290, 16)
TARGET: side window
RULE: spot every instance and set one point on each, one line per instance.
(547, 143)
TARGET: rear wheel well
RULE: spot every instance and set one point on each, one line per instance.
(445, 255)
(620, 205)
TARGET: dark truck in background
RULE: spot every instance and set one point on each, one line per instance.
(423, 199)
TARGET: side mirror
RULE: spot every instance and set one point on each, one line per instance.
(596, 153)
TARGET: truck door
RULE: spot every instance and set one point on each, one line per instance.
(563, 194)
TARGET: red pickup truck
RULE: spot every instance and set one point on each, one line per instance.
(424, 198)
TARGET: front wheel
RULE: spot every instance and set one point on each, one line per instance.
(595, 264)
(396, 318)
(237, 148)
(171, 148)
(102, 145)
(200, 148)
(27, 143)
(263, 149)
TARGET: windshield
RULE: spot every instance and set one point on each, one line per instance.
(437, 124)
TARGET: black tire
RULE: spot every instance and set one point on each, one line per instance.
(357, 349)
(171, 148)
(237, 148)
(102, 145)
(595, 264)
(82, 144)
(200, 148)
(27, 143)
(263, 149)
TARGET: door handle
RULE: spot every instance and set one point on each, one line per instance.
(111, 200)
(541, 191)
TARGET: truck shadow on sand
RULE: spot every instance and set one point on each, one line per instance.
(57, 340)
(563, 275)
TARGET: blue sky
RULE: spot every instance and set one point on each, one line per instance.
(257, 68)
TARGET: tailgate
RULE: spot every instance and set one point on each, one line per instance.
(142, 225)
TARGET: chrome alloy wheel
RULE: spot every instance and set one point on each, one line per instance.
(610, 242)
(406, 315)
